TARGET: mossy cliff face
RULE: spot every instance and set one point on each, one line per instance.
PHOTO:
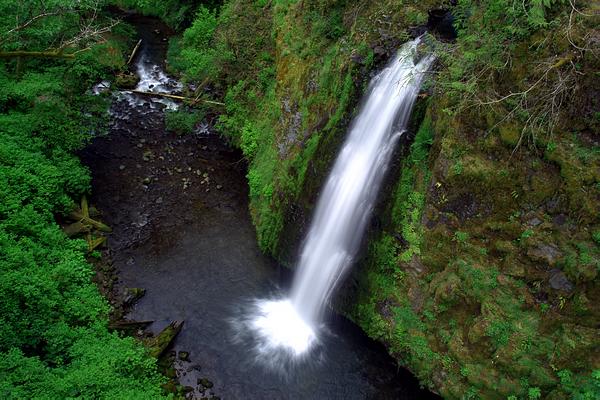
(481, 271)
(291, 73)
(484, 277)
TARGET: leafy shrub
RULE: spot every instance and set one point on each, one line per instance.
(54, 337)
(182, 121)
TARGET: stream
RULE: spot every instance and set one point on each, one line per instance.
(182, 231)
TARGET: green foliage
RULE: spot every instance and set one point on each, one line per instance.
(183, 121)
(580, 387)
(596, 237)
(198, 55)
(534, 393)
(496, 40)
(176, 13)
(480, 280)
(499, 332)
(40, 25)
(461, 237)
(409, 200)
(54, 338)
(526, 234)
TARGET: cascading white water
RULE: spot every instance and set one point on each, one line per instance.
(346, 203)
(344, 206)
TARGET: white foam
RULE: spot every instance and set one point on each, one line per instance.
(278, 325)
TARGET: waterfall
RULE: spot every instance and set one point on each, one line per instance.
(349, 195)
(344, 206)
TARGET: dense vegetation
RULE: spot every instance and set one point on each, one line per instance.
(54, 337)
(482, 276)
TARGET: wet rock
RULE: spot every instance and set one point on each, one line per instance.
(417, 298)
(169, 387)
(158, 344)
(379, 51)
(441, 21)
(184, 356)
(131, 295)
(205, 383)
(552, 205)
(357, 58)
(464, 206)
(559, 281)
(193, 367)
(141, 221)
(533, 222)
(126, 81)
(171, 373)
(121, 167)
(544, 252)
(560, 219)
(148, 155)
(416, 266)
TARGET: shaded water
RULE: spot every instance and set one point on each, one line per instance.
(181, 230)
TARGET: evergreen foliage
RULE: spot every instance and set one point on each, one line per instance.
(54, 337)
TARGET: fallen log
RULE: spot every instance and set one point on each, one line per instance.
(158, 344)
(85, 210)
(76, 228)
(93, 243)
(135, 49)
(78, 216)
(36, 54)
(176, 97)
(122, 325)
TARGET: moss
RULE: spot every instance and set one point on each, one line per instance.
(510, 134)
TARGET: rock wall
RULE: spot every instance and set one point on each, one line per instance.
(480, 271)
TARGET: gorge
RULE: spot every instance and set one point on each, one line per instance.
(196, 203)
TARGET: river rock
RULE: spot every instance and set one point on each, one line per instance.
(205, 383)
(126, 81)
(131, 295)
(544, 252)
(184, 356)
(559, 281)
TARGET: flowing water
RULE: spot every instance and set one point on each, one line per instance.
(343, 210)
(178, 206)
